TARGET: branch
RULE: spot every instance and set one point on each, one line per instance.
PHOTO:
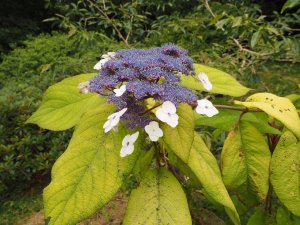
(241, 48)
(111, 22)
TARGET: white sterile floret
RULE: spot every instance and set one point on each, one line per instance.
(128, 144)
(205, 81)
(113, 120)
(120, 91)
(153, 130)
(205, 107)
(167, 113)
(108, 55)
(99, 65)
(84, 87)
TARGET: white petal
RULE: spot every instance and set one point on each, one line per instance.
(168, 107)
(153, 138)
(126, 140)
(83, 84)
(205, 107)
(153, 129)
(205, 81)
(161, 115)
(134, 137)
(172, 120)
(99, 65)
(126, 150)
(120, 91)
(121, 112)
(111, 54)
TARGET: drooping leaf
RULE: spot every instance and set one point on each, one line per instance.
(90, 171)
(222, 83)
(283, 217)
(255, 38)
(285, 172)
(289, 4)
(246, 159)
(233, 161)
(63, 105)
(277, 107)
(158, 200)
(199, 159)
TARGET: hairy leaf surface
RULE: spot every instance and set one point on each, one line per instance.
(246, 159)
(285, 172)
(222, 83)
(158, 200)
(279, 107)
(63, 105)
(89, 173)
(199, 159)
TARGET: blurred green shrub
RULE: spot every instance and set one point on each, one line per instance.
(25, 73)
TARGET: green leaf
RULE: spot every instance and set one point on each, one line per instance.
(289, 4)
(258, 218)
(222, 83)
(295, 99)
(63, 105)
(285, 172)
(245, 160)
(233, 161)
(283, 217)
(158, 200)
(191, 149)
(90, 171)
(255, 38)
(226, 119)
(277, 107)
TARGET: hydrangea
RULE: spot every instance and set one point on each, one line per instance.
(129, 78)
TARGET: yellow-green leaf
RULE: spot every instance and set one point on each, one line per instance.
(159, 199)
(278, 107)
(63, 105)
(285, 172)
(233, 161)
(199, 159)
(246, 159)
(90, 171)
(222, 83)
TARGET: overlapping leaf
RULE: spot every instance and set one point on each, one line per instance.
(277, 107)
(200, 160)
(246, 159)
(158, 200)
(285, 172)
(226, 119)
(63, 105)
(222, 83)
(89, 173)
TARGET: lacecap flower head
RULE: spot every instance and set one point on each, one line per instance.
(131, 77)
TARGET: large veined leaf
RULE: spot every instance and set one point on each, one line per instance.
(158, 200)
(246, 159)
(233, 161)
(90, 171)
(199, 159)
(222, 83)
(285, 172)
(277, 107)
(63, 105)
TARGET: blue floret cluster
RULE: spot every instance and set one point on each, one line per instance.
(153, 73)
